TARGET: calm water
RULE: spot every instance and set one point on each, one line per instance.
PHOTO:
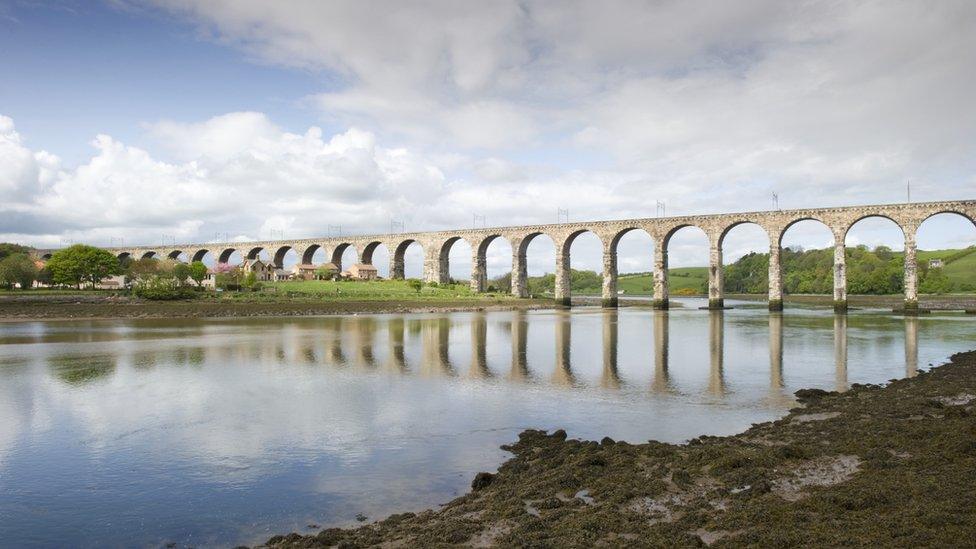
(215, 432)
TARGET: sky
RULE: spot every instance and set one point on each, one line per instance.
(149, 121)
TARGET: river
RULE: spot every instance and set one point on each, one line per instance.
(214, 432)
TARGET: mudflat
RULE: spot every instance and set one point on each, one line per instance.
(888, 466)
(67, 307)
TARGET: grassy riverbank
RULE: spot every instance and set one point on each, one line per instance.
(875, 466)
(18, 306)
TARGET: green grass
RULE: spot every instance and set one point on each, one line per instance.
(379, 289)
(681, 280)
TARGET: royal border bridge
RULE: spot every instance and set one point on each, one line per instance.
(437, 246)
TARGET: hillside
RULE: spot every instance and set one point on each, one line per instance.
(872, 272)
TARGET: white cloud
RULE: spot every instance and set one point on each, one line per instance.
(513, 109)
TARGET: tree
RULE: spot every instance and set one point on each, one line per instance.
(141, 269)
(325, 272)
(181, 272)
(198, 272)
(250, 280)
(82, 264)
(416, 284)
(17, 268)
(9, 248)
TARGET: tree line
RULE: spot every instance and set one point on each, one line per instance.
(877, 271)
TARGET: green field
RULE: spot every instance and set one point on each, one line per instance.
(686, 280)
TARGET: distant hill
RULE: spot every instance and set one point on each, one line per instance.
(878, 271)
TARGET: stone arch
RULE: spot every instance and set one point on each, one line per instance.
(308, 256)
(480, 273)
(149, 254)
(860, 282)
(738, 223)
(563, 290)
(663, 283)
(751, 280)
(614, 239)
(860, 218)
(175, 254)
(444, 258)
(368, 249)
(611, 259)
(520, 271)
(398, 261)
(781, 283)
(224, 256)
(378, 254)
(255, 252)
(199, 255)
(340, 250)
(964, 215)
(792, 222)
(121, 256)
(940, 273)
(279, 256)
(666, 239)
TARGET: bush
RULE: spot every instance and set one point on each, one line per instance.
(158, 288)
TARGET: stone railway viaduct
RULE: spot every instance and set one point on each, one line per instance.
(437, 246)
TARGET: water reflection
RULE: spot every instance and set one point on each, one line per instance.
(278, 423)
(426, 347)
(911, 346)
(716, 352)
(840, 353)
(661, 383)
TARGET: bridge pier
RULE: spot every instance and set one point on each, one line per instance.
(911, 270)
(563, 293)
(660, 275)
(716, 296)
(609, 292)
(396, 267)
(479, 271)
(520, 274)
(840, 272)
(775, 276)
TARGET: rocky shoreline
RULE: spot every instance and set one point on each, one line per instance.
(72, 307)
(875, 466)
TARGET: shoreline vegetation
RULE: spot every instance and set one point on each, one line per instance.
(880, 466)
(357, 298)
(37, 305)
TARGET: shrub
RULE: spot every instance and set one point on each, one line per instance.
(159, 288)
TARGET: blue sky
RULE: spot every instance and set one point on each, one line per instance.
(146, 118)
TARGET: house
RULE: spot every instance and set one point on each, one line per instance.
(263, 271)
(303, 271)
(362, 271)
(936, 264)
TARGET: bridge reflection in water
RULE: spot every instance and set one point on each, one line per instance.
(496, 348)
(669, 353)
